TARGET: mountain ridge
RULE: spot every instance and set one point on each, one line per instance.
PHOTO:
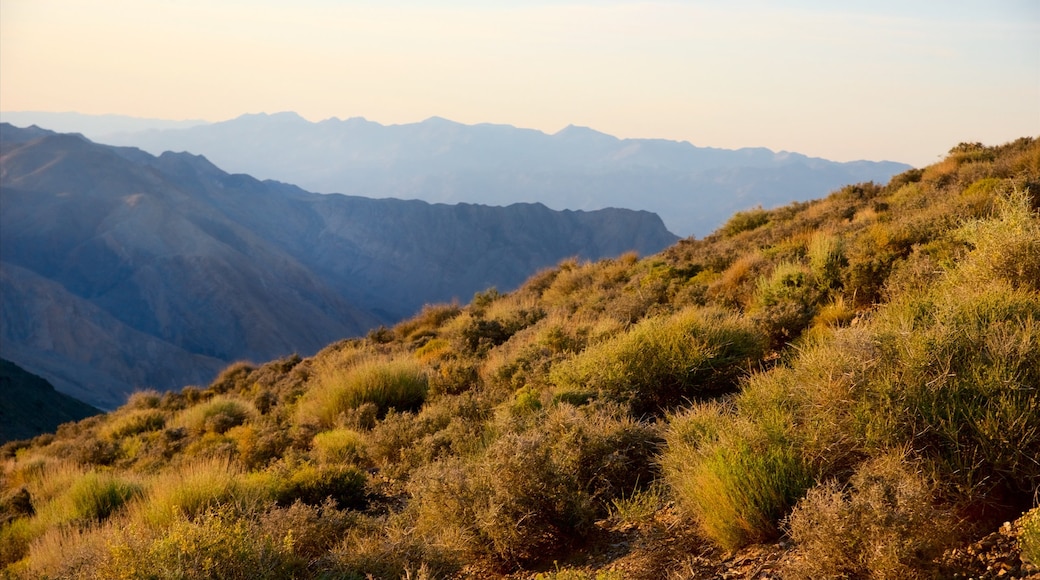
(216, 267)
(694, 189)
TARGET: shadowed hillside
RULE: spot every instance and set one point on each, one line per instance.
(842, 388)
(29, 405)
(122, 270)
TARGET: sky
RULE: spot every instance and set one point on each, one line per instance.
(895, 80)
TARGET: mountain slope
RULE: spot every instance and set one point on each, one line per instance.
(845, 387)
(217, 267)
(694, 189)
(29, 405)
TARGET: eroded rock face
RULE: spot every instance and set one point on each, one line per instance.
(122, 270)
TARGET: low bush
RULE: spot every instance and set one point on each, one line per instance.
(535, 489)
(736, 477)
(885, 525)
(1029, 536)
(216, 415)
(191, 489)
(744, 221)
(338, 446)
(316, 484)
(785, 302)
(664, 361)
(133, 422)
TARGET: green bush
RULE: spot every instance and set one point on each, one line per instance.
(338, 446)
(663, 361)
(94, 496)
(736, 477)
(15, 537)
(785, 302)
(1029, 536)
(744, 221)
(191, 489)
(216, 415)
(315, 484)
(959, 384)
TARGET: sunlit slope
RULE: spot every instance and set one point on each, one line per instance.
(858, 373)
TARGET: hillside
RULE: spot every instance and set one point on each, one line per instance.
(122, 270)
(842, 388)
(29, 405)
(694, 189)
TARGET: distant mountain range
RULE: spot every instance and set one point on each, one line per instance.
(120, 270)
(694, 189)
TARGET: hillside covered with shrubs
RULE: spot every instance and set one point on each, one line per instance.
(848, 387)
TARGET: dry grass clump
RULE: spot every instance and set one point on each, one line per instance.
(191, 489)
(216, 415)
(399, 384)
(132, 422)
(884, 526)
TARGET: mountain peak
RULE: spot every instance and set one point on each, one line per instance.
(581, 132)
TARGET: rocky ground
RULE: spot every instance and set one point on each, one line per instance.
(667, 547)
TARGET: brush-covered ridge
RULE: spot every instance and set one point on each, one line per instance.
(848, 387)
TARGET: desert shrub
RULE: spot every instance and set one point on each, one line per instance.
(389, 548)
(15, 537)
(1029, 536)
(736, 286)
(338, 446)
(744, 221)
(536, 489)
(961, 383)
(216, 415)
(480, 334)
(387, 383)
(636, 508)
(664, 360)
(95, 451)
(1007, 247)
(735, 476)
(316, 484)
(260, 442)
(233, 379)
(884, 526)
(826, 253)
(785, 302)
(146, 399)
(132, 422)
(219, 542)
(429, 318)
(64, 553)
(448, 427)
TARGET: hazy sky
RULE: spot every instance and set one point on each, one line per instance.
(899, 80)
